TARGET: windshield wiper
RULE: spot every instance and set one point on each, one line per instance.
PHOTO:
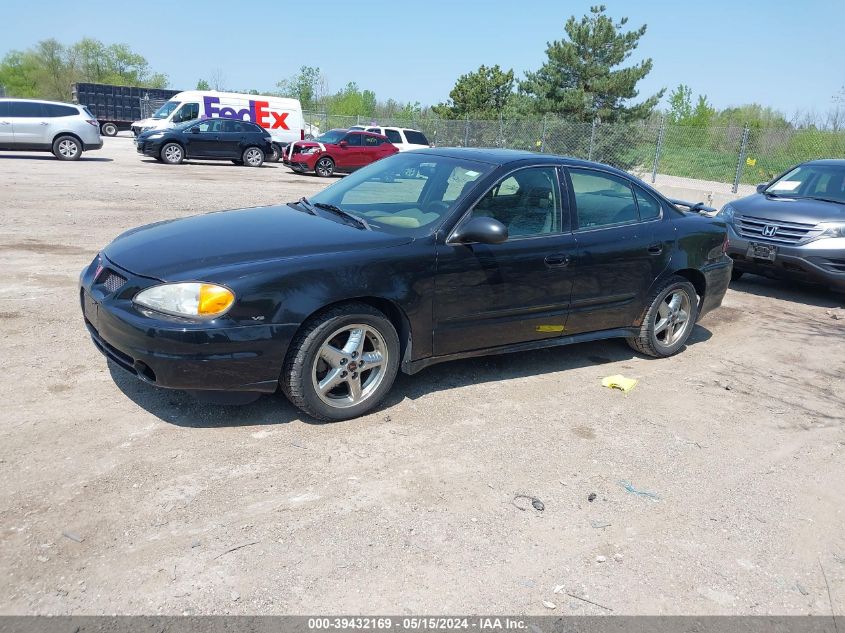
(305, 203)
(821, 199)
(361, 222)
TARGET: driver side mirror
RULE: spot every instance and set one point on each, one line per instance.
(343, 144)
(481, 231)
(762, 187)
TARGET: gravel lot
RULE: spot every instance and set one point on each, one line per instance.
(116, 497)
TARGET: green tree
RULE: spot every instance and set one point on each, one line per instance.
(351, 101)
(304, 86)
(482, 94)
(202, 84)
(703, 113)
(18, 74)
(583, 79)
(680, 104)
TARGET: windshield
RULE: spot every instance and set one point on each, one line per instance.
(811, 181)
(405, 194)
(332, 136)
(164, 111)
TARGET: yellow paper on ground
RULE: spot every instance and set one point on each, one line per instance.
(619, 382)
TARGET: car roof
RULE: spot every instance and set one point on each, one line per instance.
(499, 156)
(65, 103)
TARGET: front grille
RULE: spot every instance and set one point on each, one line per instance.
(751, 227)
(111, 280)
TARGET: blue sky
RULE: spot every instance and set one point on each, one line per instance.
(787, 55)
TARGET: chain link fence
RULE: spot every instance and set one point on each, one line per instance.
(735, 154)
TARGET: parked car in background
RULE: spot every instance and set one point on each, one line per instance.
(242, 142)
(65, 129)
(281, 117)
(793, 227)
(485, 252)
(340, 151)
(403, 138)
(116, 107)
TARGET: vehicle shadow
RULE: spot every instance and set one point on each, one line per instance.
(192, 162)
(808, 294)
(181, 409)
(48, 156)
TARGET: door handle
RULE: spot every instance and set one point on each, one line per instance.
(43, 123)
(558, 260)
(655, 249)
(4, 123)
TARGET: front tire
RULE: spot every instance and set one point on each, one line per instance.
(172, 154)
(253, 157)
(324, 167)
(669, 320)
(342, 363)
(276, 155)
(67, 148)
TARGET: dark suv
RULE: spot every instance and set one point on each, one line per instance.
(793, 227)
(242, 142)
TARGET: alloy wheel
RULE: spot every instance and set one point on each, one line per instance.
(672, 319)
(350, 365)
(68, 148)
(173, 154)
(324, 167)
(253, 157)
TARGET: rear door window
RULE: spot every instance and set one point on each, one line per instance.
(415, 138)
(370, 140)
(602, 199)
(393, 135)
(648, 206)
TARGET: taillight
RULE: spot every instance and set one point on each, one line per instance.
(302, 134)
(93, 122)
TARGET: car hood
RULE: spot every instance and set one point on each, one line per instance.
(183, 249)
(298, 145)
(790, 210)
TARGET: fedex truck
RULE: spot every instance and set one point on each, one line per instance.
(281, 117)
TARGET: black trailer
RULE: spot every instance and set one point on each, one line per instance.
(116, 107)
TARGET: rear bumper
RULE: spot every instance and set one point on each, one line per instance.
(821, 261)
(717, 278)
(87, 147)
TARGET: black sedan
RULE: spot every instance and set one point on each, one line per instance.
(481, 252)
(242, 142)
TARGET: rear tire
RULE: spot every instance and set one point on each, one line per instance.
(172, 154)
(324, 167)
(669, 320)
(67, 148)
(109, 129)
(253, 157)
(342, 362)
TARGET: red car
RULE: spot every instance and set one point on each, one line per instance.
(337, 151)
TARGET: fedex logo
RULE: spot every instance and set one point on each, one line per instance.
(257, 112)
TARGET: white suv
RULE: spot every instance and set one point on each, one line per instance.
(65, 129)
(403, 138)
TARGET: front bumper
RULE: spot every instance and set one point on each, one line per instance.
(302, 162)
(148, 148)
(174, 354)
(821, 261)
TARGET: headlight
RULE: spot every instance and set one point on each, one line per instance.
(156, 135)
(726, 213)
(832, 229)
(308, 150)
(193, 299)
